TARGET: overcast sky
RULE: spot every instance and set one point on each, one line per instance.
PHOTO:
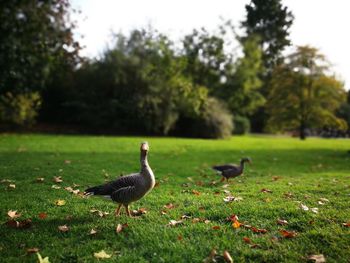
(320, 23)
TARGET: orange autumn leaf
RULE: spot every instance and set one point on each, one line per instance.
(195, 192)
(288, 234)
(216, 227)
(236, 224)
(258, 230)
(346, 224)
(42, 215)
(247, 240)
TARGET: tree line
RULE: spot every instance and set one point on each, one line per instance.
(147, 84)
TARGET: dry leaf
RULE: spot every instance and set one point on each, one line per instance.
(288, 195)
(42, 215)
(67, 161)
(32, 250)
(55, 186)
(57, 179)
(42, 260)
(265, 190)
(317, 258)
(247, 240)
(12, 186)
(315, 210)
(346, 224)
(288, 234)
(93, 232)
(206, 221)
(169, 206)
(304, 207)
(324, 200)
(63, 228)
(225, 186)
(185, 217)
(282, 222)
(119, 228)
(139, 212)
(232, 218)
(231, 198)
(101, 255)
(211, 257)
(216, 227)
(227, 257)
(13, 214)
(196, 220)
(236, 224)
(40, 179)
(99, 213)
(275, 178)
(258, 230)
(60, 202)
(175, 223)
(19, 224)
(195, 192)
(179, 237)
(163, 212)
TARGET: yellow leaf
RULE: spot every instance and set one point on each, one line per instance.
(236, 224)
(101, 255)
(42, 260)
(60, 202)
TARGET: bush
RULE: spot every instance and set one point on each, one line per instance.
(214, 121)
(241, 124)
(19, 110)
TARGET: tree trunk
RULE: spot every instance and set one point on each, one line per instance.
(302, 134)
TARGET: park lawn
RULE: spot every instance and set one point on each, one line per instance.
(297, 172)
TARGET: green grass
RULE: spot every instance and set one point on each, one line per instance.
(311, 169)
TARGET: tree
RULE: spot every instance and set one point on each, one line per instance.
(303, 95)
(270, 21)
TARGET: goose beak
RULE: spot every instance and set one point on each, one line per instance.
(144, 146)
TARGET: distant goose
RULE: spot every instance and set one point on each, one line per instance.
(129, 188)
(231, 170)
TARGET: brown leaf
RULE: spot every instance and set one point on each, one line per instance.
(258, 230)
(139, 212)
(265, 190)
(13, 214)
(288, 234)
(247, 240)
(185, 217)
(231, 198)
(93, 232)
(57, 179)
(67, 161)
(317, 258)
(196, 220)
(32, 250)
(227, 257)
(347, 224)
(179, 237)
(63, 228)
(20, 224)
(169, 206)
(216, 227)
(275, 178)
(232, 218)
(199, 183)
(288, 195)
(42, 215)
(195, 192)
(163, 212)
(99, 213)
(119, 228)
(206, 221)
(282, 222)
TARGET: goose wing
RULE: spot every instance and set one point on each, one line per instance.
(224, 167)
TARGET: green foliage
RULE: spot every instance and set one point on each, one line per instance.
(241, 125)
(302, 95)
(19, 110)
(36, 38)
(270, 21)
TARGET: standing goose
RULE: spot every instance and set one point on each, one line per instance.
(129, 188)
(231, 170)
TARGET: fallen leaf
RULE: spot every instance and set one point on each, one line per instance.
(236, 224)
(101, 255)
(232, 218)
(42, 260)
(63, 228)
(13, 214)
(93, 232)
(346, 224)
(288, 234)
(42, 215)
(119, 228)
(195, 192)
(175, 223)
(99, 213)
(169, 206)
(57, 179)
(67, 161)
(247, 240)
(40, 179)
(227, 257)
(179, 237)
(32, 250)
(163, 212)
(199, 183)
(206, 221)
(6, 181)
(185, 217)
(304, 207)
(231, 198)
(258, 230)
(265, 190)
(317, 258)
(282, 222)
(211, 257)
(315, 210)
(60, 202)
(55, 186)
(12, 186)
(20, 224)
(196, 220)
(288, 195)
(216, 227)
(139, 212)
(225, 186)
(324, 200)
(275, 178)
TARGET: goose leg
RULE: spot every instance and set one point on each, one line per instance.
(222, 179)
(117, 211)
(127, 210)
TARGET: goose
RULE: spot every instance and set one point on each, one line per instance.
(130, 188)
(231, 170)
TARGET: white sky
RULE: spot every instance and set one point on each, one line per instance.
(320, 23)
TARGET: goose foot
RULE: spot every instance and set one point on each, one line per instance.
(117, 211)
(128, 211)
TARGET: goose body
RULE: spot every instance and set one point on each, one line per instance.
(231, 170)
(130, 188)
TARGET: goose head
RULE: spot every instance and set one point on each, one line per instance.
(144, 147)
(246, 160)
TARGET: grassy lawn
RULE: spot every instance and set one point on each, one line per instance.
(297, 172)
